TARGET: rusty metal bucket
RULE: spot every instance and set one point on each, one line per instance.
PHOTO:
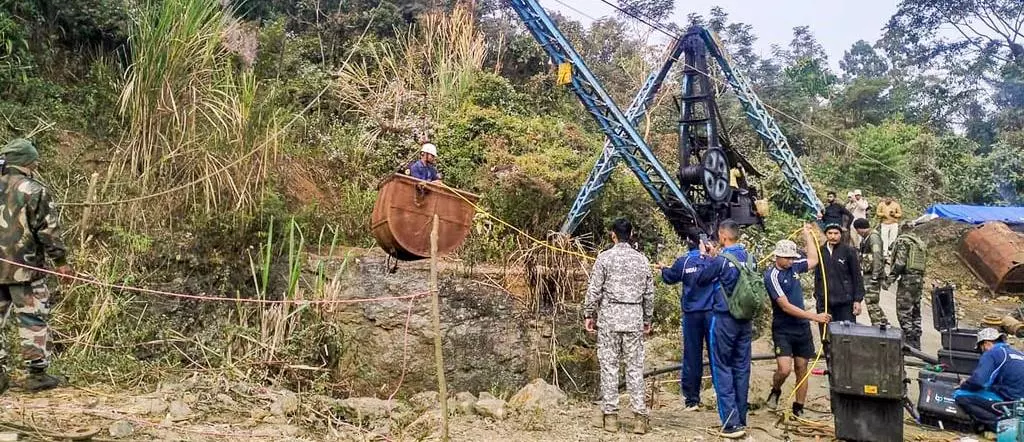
(996, 256)
(405, 209)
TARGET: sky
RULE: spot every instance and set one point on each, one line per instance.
(837, 24)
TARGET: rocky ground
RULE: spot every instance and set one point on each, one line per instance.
(491, 349)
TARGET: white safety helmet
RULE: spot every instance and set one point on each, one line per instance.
(429, 148)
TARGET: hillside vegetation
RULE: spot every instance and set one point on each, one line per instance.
(229, 142)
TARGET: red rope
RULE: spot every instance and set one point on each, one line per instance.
(214, 298)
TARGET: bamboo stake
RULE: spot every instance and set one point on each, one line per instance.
(435, 306)
(90, 196)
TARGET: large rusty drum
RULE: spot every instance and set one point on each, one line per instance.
(995, 254)
(404, 212)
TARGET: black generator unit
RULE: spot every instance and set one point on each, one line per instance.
(960, 339)
(935, 404)
(859, 418)
(960, 362)
(866, 360)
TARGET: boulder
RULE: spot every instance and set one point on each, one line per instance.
(425, 400)
(178, 411)
(121, 429)
(285, 403)
(360, 408)
(490, 406)
(538, 395)
(464, 402)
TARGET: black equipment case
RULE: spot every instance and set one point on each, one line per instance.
(961, 362)
(960, 339)
(935, 404)
(943, 308)
(866, 360)
(859, 418)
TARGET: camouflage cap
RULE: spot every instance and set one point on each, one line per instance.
(786, 249)
(990, 334)
(20, 152)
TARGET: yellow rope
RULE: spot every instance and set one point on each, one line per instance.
(481, 210)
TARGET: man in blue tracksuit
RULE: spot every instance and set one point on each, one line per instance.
(695, 301)
(999, 377)
(730, 337)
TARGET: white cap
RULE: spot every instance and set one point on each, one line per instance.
(856, 192)
(429, 148)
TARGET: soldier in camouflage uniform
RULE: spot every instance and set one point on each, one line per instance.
(29, 234)
(621, 297)
(909, 258)
(873, 262)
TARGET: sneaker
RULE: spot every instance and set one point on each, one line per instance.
(692, 407)
(733, 433)
(798, 409)
(39, 381)
(641, 424)
(773, 399)
(611, 423)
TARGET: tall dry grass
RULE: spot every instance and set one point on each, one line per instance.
(427, 71)
(191, 110)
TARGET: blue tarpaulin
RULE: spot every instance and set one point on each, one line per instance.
(975, 214)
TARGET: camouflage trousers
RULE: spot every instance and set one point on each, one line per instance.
(612, 349)
(871, 299)
(908, 307)
(31, 308)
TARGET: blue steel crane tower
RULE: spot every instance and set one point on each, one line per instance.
(705, 156)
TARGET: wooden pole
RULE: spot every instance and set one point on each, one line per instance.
(435, 307)
(90, 196)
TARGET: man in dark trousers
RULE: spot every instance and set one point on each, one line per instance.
(730, 337)
(696, 301)
(838, 283)
(998, 378)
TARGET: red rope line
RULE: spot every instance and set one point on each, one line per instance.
(95, 282)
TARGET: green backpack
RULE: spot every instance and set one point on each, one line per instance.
(748, 299)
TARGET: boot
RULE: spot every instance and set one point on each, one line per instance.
(598, 420)
(5, 379)
(611, 423)
(641, 423)
(39, 380)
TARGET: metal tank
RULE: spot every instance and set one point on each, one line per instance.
(995, 254)
(405, 209)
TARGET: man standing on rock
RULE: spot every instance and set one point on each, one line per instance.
(909, 259)
(621, 297)
(872, 259)
(695, 301)
(858, 207)
(30, 234)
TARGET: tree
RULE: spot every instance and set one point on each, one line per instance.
(861, 60)
(1007, 164)
(648, 10)
(883, 152)
(983, 28)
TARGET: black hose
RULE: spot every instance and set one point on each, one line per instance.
(920, 354)
(671, 368)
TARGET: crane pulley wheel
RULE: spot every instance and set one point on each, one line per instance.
(716, 175)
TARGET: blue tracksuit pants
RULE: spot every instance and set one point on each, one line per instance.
(696, 333)
(730, 368)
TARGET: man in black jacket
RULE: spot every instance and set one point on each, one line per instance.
(835, 213)
(840, 272)
(838, 283)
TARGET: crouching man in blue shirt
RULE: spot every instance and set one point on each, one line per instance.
(999, 377)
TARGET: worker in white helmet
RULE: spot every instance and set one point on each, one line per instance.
(426, 167)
